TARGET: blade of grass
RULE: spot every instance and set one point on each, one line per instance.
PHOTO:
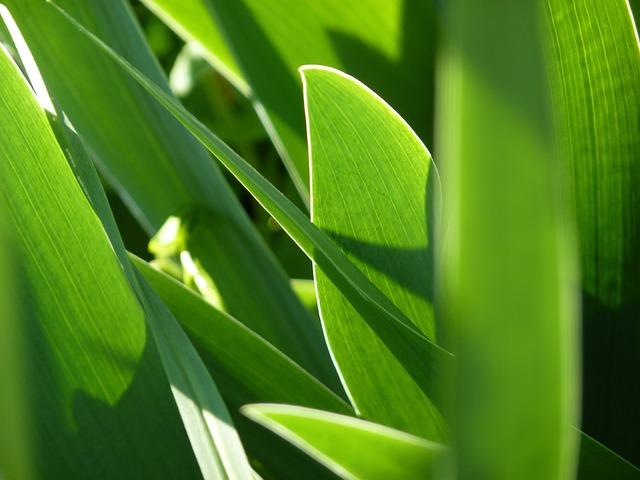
(191, 20)
(247, 369)
(351, 447)
(369, 193)
(400, 335)
(509, 265)
(213, 436)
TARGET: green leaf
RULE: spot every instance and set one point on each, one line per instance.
(389, 44)
(91, 367)
(597, 462)
(160, 170)
(369, 176)
(509, 266)
(350, 447)
(597, 97)
(594, 63)
(404, 340)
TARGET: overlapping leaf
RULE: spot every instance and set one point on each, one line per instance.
(400, 335)
(160, 170)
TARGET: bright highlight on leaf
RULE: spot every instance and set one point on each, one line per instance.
(350, 447)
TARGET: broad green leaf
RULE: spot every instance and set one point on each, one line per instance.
(369, 176)
(351, 447)
(594, 62)
(388, 44)
(160, 170)
(91, 367)
(597, 462)
(246, 368)
(401, 336)
(509, 266)
(203, 412)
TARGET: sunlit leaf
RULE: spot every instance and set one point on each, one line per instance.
(388, 44)
(594, 63)
(369, 176)
(352, 448)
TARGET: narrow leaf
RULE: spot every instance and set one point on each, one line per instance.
(389, 44)
(594, 63)
(246, 367)
(214, 439)
(597, 462)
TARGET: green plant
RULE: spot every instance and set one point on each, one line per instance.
(452, 311)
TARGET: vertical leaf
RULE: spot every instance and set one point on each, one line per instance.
(595, 68)
(509, 266)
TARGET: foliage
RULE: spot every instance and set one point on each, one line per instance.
(348, 312)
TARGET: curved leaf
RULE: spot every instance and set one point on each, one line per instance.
(352, 448)
(369, 175)
(389, 44)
